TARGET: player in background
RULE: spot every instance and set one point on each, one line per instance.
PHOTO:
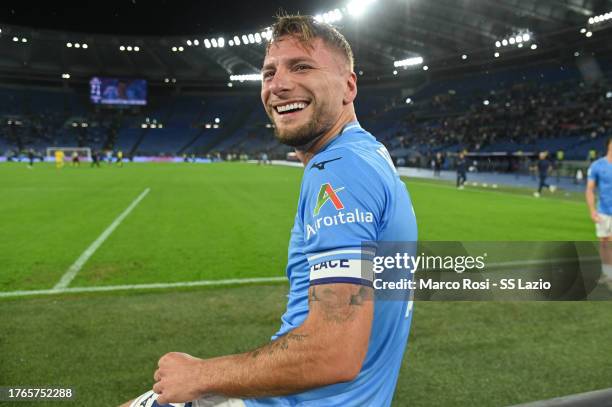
(31, 157)
(95, 159)
(461, 170)
(76, 162)
(599, 180)
(337, 344)
(544, 166)
(120, 158)
(59, 159)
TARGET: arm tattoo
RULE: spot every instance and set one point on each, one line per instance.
(280, 344)
(336, 307)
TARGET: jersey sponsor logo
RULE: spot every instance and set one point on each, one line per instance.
(321, 165)
(327, 193)
(341, 218)
(332, 264)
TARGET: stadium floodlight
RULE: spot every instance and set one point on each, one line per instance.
(511, 41)
(217, 120)
(591, 20)
(85, 46)
(189, 43)
(425, 68)
(221, 42)
(181, 49)
(15, 39)
(394, 72)
(608, 95)
(167, 80)
(236, 40)
(257, 38)
(144, 125)
(24, 39)
(74, 124)
(245, 39)
(77, 45)
(84, 125)
(408, 62)
(576, 54)
(122, 48)
(208, 125)
(534, 46)
(519, 39)
(247, 77)
(504, 42)
(214, 42)
(69, 44)
(485, 102)
(66, 76)
(137, 49)
(229, 84)
(231, 43)
(408, 101)
(173, 80)
(496, 55)
(154, 126)
(589, 34)
(207, 43)
(196, 42)
(583, 30)
(251, 39)
(160, 126)
(464, 57)
(357, 8)
(215, 126)
(520, 45)
(497, 44)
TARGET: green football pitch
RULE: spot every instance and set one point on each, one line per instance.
(232, 221)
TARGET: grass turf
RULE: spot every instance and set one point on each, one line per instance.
(233, 220)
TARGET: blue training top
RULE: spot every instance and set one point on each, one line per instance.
(600, 171)
(350, 194)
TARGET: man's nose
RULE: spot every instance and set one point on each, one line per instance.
(280, 82)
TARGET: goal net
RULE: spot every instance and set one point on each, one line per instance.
(84, 153)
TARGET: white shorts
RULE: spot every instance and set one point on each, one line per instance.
(149, 399)
(603, 228)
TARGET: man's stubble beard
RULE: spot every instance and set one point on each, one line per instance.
(303, 135)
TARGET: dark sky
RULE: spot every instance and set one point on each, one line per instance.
(161, 17)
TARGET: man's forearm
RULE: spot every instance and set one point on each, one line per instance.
(590, 198)
(291, 364)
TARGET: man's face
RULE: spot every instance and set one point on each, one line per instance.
(304, 90)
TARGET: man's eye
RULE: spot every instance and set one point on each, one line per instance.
(267, 75)
(301, 67)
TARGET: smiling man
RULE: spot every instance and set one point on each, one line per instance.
(338, 344)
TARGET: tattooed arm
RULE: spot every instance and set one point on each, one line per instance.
(329, 347)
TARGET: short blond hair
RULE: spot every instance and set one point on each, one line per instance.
(305, 29)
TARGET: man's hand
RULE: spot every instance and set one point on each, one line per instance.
(177, 379)
(595, 216)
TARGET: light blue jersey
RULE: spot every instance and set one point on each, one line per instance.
(601, 172)
(350, 194)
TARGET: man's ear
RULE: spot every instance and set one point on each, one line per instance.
(350, 92)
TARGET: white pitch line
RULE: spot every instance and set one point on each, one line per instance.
(80, 262)
(231, 281)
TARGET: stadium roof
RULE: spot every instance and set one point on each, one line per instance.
(41, 43)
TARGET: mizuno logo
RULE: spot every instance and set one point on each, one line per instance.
(327, 193)
(321, 165)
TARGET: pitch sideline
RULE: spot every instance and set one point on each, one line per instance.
(80, 262)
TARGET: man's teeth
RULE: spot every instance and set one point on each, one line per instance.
(291, 106)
